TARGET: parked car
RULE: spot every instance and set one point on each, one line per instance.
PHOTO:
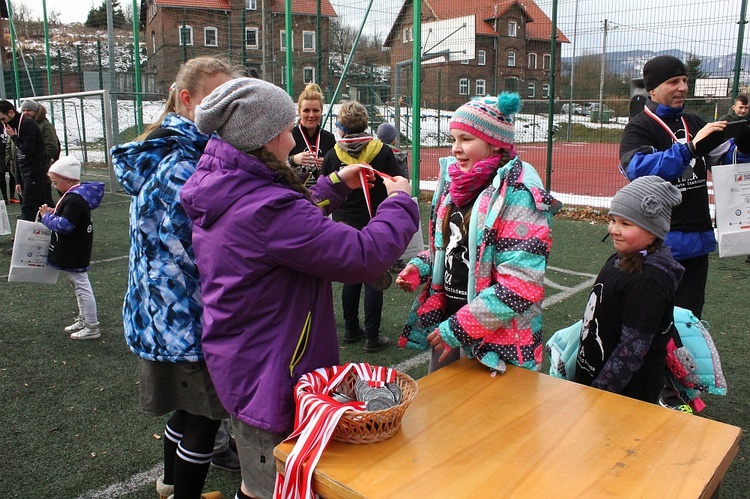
(574, 109)
(594, 106)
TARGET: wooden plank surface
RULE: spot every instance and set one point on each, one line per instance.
(470, 434)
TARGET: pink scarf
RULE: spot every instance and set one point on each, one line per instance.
(466, 186)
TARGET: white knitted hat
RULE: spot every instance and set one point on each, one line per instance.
(68, 167)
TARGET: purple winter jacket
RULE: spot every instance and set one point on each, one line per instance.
(267, 257)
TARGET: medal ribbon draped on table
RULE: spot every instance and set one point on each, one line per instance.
(315, 422)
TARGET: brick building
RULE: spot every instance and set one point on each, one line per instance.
(511, 47)
(250, 33)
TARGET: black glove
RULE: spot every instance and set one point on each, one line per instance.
(742, 140)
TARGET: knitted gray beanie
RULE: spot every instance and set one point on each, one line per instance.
(647, 202)
(246, 113)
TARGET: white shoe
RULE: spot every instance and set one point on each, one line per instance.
(76, 326)
(88, 332)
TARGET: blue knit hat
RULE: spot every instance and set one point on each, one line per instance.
(489, 118)
(387, 133)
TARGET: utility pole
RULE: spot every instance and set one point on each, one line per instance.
(601, 77)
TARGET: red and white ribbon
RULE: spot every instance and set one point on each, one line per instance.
(316, 418)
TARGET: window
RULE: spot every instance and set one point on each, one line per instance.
(511, 84)
(251, 4)
(546, 61)
(463, 86)
(545, 90)
(532, 89)
(186, 35)
(408, 34)
(512, 28)
(480, 87)
(283, 40)
(482, 57)
(153, 42)
(465, 61)
(283, 75)
(251, 38)
(308, 74)
(511, 59)
(211, 37)
(308, 41)
(532, 61)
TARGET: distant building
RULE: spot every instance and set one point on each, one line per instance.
(510, 43)
(246, 32)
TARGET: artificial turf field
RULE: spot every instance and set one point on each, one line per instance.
(71, 425)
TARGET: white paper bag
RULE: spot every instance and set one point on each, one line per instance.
(30, 248)
(416, 245)
(4, 222)
(732, 199)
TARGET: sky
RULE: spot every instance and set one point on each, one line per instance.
(71, 11)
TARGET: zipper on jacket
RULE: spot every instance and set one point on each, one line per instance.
(299, 350)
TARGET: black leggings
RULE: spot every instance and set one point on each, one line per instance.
(691, 292)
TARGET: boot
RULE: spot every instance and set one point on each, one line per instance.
(164, 491)
(352, 335)
(376, 344)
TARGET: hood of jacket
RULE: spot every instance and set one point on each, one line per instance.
(664, 261)
(91, 192)
(136, 162)
(223, 175)
(41, 114)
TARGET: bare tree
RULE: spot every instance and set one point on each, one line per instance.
(53, 18)
(342, 38)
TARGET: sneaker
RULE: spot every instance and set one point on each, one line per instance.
(88, 332)
(676, 407)
(226, 460)
(352, 336)
(14, 201)
(372, 346)
(76, 326)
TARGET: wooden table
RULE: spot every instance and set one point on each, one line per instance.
(526, 434)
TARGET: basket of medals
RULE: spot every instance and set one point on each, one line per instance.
(379, 395)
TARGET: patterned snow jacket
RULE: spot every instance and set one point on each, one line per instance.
(510, 232)
(163, 304)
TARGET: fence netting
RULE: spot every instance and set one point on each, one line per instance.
(362, 49)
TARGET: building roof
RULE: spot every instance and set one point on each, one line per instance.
(539, 26)
(305, 7)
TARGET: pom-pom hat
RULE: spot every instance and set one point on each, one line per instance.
(647, 202)
(246, 113)
(68, 167)
(489, 119)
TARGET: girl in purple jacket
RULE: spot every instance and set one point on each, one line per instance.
(267, 253)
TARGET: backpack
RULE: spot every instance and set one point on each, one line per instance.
(403, 162)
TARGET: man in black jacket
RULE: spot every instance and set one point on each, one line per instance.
(32, 160)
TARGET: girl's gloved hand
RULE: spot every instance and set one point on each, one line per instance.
(408, 279)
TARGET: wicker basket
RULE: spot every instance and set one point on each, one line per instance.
(369, 427)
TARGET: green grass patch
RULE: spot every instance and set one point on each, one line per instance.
(72, 422)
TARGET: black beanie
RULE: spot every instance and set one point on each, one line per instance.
(660, 69)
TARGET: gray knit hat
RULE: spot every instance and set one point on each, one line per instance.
(29, 104)
(647, 202)
(246, 112)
